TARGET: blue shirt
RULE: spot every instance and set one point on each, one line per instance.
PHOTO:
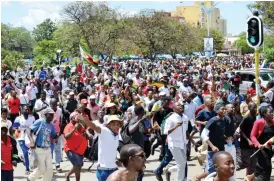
(46, 132)
(43, 75)
(205, 115)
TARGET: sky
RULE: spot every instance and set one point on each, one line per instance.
(31, 13)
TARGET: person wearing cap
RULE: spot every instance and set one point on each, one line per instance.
(110, 109)
(214, 134)
(108, 142)
(184, 87)
(41, 146)
(75, 144)
(93, 107)
(4, 119)
(164, 88)
(9, 154)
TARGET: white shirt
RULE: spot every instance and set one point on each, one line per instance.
(184, 89)
(269, 94)
(24, 98)
(32, 92)
(190, 109)
(64, 83)
(165, 90)
(107, 148)
(24, 124)
(39, 104)
(147, 102)
(176, 139)
(57, 74)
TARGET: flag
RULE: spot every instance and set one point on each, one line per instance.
(87, 57)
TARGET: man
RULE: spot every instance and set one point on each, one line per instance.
(214, 135)
(93, 107)
(9, 154)
(184, 88)
(176, 127)
(57, 74)
(137, 130)
(133, 158)
(157, 119)
(71, 104)
(41, 104)
(246, 145)
(164, 88)
(84, 103)
(4, 119)
(41, 145)
(149, 99)
(156, 98)
(42, 74)
(23, 123)
(270, 93)
(14, 106)
(224, 166)
(32, 90)
(56, 144)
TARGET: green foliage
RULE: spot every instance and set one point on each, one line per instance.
(45, 51)
(17, 39)
(266, 9)
(218, 39)
(44, 30)
(269, 54)
(241, 44)
(12, 59)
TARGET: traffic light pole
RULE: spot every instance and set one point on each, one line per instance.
(257, 74)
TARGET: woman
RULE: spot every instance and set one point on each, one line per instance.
(173, 93)
(262, 131)
(75, 145)
(110, 109)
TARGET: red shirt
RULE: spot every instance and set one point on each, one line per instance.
(77, 142)
(257, 130)
(6, 155)
(251, 92)
(14, 105)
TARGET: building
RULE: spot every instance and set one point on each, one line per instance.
(177, 18)
(196, 16)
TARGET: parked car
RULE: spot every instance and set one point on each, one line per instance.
(248, 77)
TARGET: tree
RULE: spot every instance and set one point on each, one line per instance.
(67, 38)
(45, 51)
(242, 45)
(266, 9)
(12, 59)
(99, 25)
(44, 30)
(218, 39)
(17, 39)
(269, 54)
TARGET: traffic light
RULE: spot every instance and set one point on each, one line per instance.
(254, 34)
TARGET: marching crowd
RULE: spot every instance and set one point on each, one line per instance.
(132, 107)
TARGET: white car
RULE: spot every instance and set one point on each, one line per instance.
(248, 77)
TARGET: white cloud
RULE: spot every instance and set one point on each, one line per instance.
(125, 12)
(37, 12)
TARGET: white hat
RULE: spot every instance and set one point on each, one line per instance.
(48, 111)
(92, 97)
(162, 94)
(71, 93)
(113, 118)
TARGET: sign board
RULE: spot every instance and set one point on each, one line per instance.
(208, 44)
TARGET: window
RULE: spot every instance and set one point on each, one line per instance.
(265, 77)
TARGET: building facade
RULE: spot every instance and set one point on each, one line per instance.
(196, 16)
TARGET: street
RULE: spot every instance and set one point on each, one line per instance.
(152, 162)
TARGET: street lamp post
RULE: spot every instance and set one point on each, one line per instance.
(59, 56)
(208, 12)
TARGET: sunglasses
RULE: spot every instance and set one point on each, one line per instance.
(142, 155)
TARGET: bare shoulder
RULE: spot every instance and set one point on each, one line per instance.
(115, 176)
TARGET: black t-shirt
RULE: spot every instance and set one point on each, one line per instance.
(161, 114)
(79, 87)
(229, 125)
(216, 129)
(246, 127)
(138, 135)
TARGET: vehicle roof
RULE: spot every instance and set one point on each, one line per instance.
(252, 70)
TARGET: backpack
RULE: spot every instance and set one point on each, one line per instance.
(164, 122)
(125, 134)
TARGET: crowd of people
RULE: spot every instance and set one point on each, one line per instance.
(133, 107)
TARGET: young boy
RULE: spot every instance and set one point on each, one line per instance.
(224, 166)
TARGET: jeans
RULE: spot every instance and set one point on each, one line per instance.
(167, 158)
(25, 150)
(44, 165)
(56, 147)
(210, 155)
(180, 159)
(6, 175)
(102, 175)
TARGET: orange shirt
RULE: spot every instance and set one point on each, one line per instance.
(6, 155)
(77, 142)
(14, 105)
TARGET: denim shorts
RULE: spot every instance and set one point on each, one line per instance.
(75, 159)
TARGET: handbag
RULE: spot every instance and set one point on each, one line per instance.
(28, 141)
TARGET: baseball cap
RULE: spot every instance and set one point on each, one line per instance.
(48, 111)
(92, 97)
(113, 118)
(110, 105)
(84, 101)
(71, 93)
(4, 125)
